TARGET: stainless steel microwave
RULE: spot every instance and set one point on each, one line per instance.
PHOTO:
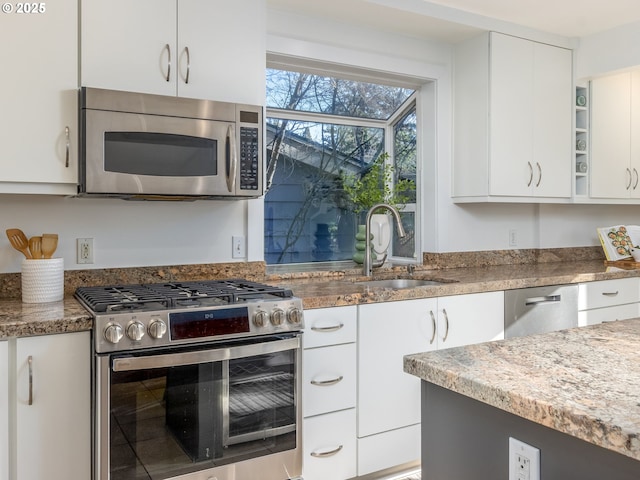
(142, 146)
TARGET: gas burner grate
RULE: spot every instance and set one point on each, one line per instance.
(162, 296)
(121, 297)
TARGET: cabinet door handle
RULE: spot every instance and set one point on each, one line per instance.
(67, 148)
(30, 362)
(433, 326)
(326, 454)
(168, 48)
(629, 183)
(327, 383)
(530, 174)
(333, 328)
(446, 320)
(610, 294)
(186, 51)
(636, 183)
(539, 174)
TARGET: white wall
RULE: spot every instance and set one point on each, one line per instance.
(126, 233)
(615, 49)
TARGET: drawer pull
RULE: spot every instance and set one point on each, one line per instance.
(333, 328)
(610, 294)
(326, 454)
(327, 383)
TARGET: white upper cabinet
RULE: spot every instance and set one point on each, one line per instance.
(512, 121)
(228, 57)
(38, 124)
(129, 45)
(191, 48)
(615, 150)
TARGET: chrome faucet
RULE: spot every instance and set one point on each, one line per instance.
(367, 264)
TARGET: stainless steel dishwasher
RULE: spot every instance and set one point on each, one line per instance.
(540, 309)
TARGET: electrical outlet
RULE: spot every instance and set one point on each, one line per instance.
(513, 237)
(84, 250)
(524, 461)
(239, 249)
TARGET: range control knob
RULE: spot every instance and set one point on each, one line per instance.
(157, 329)
(294, 316)
(113, 333)
(135, 331)
(277, 316)
(260, 318)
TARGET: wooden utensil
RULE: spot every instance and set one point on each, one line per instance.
(35, 247)
(49, 244)
(18, 240)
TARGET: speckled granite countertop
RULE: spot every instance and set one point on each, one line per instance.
(339, 290)
(19, 319)
(584, 382)
(320, 289)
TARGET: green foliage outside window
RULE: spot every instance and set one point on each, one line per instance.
(376, 186)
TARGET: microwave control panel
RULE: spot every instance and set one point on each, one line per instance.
(249, 157)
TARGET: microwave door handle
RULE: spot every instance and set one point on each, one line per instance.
(232, 159)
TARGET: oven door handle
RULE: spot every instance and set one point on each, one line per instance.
(126, 364)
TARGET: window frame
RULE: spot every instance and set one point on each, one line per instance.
(411, 103)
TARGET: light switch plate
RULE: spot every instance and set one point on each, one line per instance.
(239, 247)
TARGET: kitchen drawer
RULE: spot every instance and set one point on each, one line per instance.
(336, 366)
(607, 293)
(388, 449)
(608, 314)
(329, 326)
(329, 446)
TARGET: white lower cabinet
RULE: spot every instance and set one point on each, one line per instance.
(389, 402)
(330, 446)
(387, 449)
(52, 407)
(4, 411)
(608, 300)
(329, 379)
(329, 393)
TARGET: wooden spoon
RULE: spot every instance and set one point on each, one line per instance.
(18, 240)
(49, 244)
(35, 247)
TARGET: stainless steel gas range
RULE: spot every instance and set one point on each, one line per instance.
(196, 380)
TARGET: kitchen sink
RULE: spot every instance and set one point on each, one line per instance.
(399, 283)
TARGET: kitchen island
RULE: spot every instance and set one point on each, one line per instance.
(574, 394)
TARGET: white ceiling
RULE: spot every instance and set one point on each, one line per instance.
(455, 20)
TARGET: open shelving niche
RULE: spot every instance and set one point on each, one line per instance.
(582, 144)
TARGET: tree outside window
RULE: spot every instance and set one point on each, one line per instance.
(320, 129)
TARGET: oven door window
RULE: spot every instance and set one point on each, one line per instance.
(173, 420)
